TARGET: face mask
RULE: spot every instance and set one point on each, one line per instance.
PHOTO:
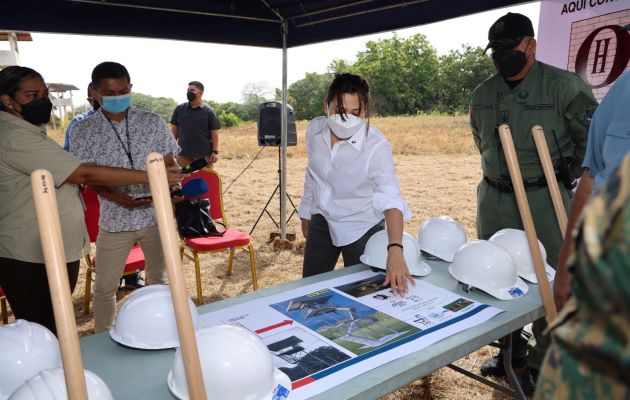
(37, 112)
(116, 104)
(344, 129)
(191, 96)
(509, 62)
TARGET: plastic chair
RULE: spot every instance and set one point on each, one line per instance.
(3, 308)
(135, 260)
(231, 240)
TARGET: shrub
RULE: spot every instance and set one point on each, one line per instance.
(228, 120)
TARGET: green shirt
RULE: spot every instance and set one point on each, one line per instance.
(556, 99)
(24, 148)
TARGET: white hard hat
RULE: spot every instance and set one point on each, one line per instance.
(50, 385)
(235, 363)
(488, 267)
(147, 319)
(514, 241)
(375, 253)
(25, 349)
(441, 237)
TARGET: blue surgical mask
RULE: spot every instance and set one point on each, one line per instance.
(116, 104)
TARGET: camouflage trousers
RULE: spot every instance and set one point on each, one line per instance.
(564, 377)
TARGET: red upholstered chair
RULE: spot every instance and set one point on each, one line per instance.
(231, 240)
(135, 260)
(3, 307)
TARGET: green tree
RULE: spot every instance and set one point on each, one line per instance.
(402, 74)
(253, 95)
(460, 72)
(237, 109)
(339, 66)
(164, 106)
(308, 95)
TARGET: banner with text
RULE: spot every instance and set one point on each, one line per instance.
(584, 36)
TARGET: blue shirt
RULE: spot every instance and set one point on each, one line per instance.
(77, 118)
(609, 133)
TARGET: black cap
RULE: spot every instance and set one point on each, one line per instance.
(508, 31)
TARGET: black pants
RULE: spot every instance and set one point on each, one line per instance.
(26, 287)
(320, 255)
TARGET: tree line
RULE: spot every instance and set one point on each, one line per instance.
(406, 76)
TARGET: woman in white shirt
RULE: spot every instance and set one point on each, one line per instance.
(350, 186)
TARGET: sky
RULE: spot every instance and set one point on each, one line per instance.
(164, 67)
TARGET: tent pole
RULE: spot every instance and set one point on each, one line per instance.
(283, 138)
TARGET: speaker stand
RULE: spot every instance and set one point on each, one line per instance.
(290, 237)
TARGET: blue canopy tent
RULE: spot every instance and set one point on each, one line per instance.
(266, 23)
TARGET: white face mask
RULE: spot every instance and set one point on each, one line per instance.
(345, 129)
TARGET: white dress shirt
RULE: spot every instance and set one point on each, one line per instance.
(350, 184)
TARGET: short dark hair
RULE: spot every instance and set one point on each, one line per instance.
(109, 70)
(349, 83)
(12, 77)
(196, 84)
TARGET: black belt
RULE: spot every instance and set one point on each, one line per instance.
(507, 187)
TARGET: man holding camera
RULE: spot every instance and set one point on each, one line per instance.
(524, 93)
(122, 136)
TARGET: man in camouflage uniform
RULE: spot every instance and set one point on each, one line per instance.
(524, 93)
(589, 357)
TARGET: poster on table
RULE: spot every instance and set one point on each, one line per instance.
(325, 333)
(584, 36)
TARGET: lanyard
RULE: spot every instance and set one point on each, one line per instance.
(127, 149)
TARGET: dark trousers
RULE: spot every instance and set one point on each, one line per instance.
(495, 211)
(320, 255)
(26, 287)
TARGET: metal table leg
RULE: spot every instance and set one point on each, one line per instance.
(481, 379)
(507, 362)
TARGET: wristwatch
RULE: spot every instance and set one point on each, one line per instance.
(215, 152)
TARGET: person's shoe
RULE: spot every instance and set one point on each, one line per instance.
(493, 366)
(132, 282)
(527, 378)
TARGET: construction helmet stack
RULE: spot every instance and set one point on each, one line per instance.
(514, 241)
(486, 266)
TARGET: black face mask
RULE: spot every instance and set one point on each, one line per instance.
(37, 112)
(191, 96)
(509, 62)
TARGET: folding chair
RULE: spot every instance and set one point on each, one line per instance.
(231, 240)
(135, 260)
(3, 308)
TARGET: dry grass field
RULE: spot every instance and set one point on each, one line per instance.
(438, 168)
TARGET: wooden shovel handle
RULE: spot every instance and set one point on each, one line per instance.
(47, 212)
(528, 222)
(550, 175)
(170, 246)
